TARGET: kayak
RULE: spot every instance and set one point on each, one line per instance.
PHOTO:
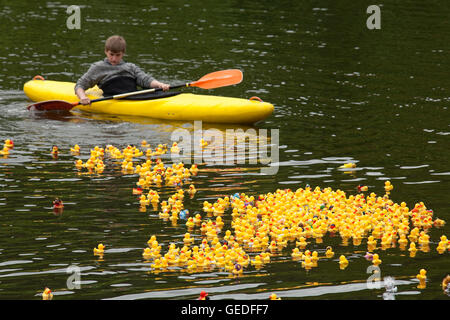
(183, 106)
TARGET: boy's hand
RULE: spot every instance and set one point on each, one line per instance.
(164, 86)
(85, 101)
(157, 84)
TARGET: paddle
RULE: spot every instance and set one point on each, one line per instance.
(212, 80)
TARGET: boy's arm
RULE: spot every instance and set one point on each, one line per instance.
(145, 80)
(157, 84)
(82, 96)
(87, 80)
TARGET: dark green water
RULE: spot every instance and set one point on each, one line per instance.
(342, 93)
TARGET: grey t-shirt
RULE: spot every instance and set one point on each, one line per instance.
(102, 71)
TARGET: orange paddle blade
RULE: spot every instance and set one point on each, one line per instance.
(218, 79)
(51, 105)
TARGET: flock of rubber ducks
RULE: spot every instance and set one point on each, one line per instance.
(268, 224)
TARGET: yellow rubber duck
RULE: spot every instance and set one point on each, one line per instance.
(203, 143)
(348, 165)
(191, 191)
(329, 253)
(314, 258)
(301, 243)
(412, 249)
(175, 148)
(443, 245)
(193, 169)
(376, 260)
(438, 223)
(75, 149)
(402, 241)
(156, 264)
(265, 257)
(147, 254)
(190, 222)
(188, 240)
(4, 151)
(273, 296)
(388, 186)
(257, 262)
(143, 201)
(47, 294)
(422, 277)
(307, 263)
(371, 242)
(99, 250)
(343, 262)
(55, 150)
(296, 254)
(362, 188)
(9, 144)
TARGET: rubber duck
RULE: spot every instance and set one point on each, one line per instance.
(388, 186)
(55, 151)
(348, 165)
(296, 254)
(197, 219)
(329, 253)
(4, 151)
(273, 296)
(402, 241)
(422, 277)
(193, 169)
(301, 243)
(47, 294)
(307, 263)
(371, 242)
(58, 204)
(362, 188)
(143, 201)
(314, 258)
(343, 262)
(412, 249)
(203, 143)
(175, 148)
(424, 239)
(9, 144)
(257, 262)
(376, 260)
(219, 222)
(238, 270)
(446, 284)
(265, 257)
(442, 245)
(75, 149)
(191, 191)
(147, 254)
(438, 223)
(138, 191)
(203, 296)
(368, 256)
(188, 240)
(190, 222)
(99, 250)
(157, 264)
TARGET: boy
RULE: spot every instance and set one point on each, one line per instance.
(113, 75)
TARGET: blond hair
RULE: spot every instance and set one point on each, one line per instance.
(115, 44)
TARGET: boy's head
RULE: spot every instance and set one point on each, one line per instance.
(115, 44)
(115, 47)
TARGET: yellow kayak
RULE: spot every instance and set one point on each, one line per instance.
(184, 106)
